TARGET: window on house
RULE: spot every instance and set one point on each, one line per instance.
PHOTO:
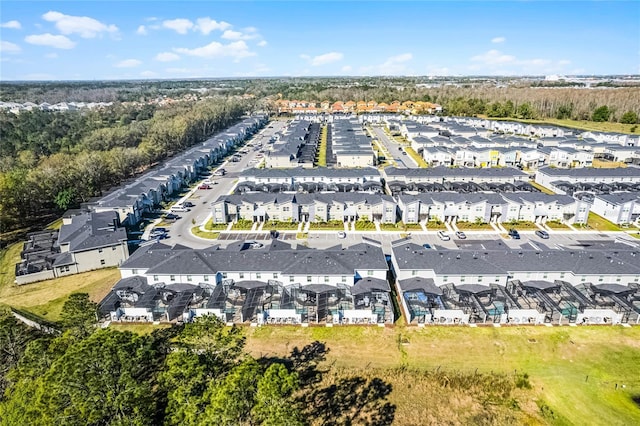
(479, 279)
(102, 262)
(241, 275)
(258, 275)
(275, 275)
(66, 268)
(99, 250)
(308, 278)
(600, 278)
(291, 278)
(172, 277)
(134, 271)
(188, 277)
(155, 278)
(414, 273)
(344, 278)
(206, 277)
(462, 279)
(113, 248)
(224, 275)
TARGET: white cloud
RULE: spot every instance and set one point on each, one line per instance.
(8, 47)
(57, 41)
(326, 58)
(206, 25)
(148, 74)
(346, 68)
(128, 63)
(166, 57)
(142, 30)
(495, 62)
(395, 64)
(262, 43)
(181, 26)
(83, 25)
(14, 25)
(498, 40)
(52, 55)
(493, 57)
(250, 34)
(237, 49)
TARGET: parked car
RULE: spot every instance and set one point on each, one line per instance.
(179, 208)
(274, 233)
(542, 234)
(461, 235)
(219, 172)
(427, 246)
(204, 186)
(171, 216)
(186, 204)
(443, 236)
(254, 244)
(514, 234)
(404, 152)
(342, 234)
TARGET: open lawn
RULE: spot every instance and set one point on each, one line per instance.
(473, 226)
(209, 235)
(599, 224)
(417, 158)
(573, 371)
(46, 298)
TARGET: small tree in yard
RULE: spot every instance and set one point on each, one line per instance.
(601, 114)
(629, 117)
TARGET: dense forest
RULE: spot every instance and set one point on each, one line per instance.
(52, 161)
(192, 374)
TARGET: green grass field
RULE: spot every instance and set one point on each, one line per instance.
(573, 371)
(600, 224)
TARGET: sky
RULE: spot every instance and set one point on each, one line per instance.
(93, 40)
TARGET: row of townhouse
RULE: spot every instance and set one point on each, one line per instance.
(286, 151)
(281, 284)
(85, 241)
(558, 180)
(299, 207)
(284, 106)
(517, 286)
(350, 145)
(16, 108)
(310, 180)
(448, 174)
(491, 207)
(409, 208)
(238, 284)
(141, 196)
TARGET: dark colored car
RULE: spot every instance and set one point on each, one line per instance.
(514, 234)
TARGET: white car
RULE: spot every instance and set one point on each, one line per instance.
(443, 236)
(342, 234)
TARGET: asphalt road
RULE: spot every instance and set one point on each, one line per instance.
(402, 161)
(179, 231)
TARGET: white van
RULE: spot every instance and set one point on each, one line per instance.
(179, 208)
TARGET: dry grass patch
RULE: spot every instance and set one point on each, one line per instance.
(46, 298)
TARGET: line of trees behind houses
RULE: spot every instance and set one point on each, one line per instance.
(53, 161)
(604, 104)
